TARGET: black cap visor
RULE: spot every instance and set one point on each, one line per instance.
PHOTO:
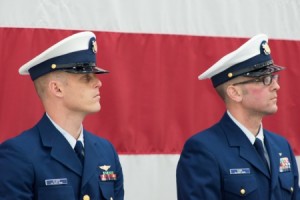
(270, 69)
(82, 68)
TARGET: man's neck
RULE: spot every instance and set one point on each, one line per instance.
(251, 122)
(71, 123)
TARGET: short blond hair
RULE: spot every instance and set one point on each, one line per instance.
(222, 89)
(41, 83)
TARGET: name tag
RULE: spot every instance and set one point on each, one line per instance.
(58, 181)
(240, 171)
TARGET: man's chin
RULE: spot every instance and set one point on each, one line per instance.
(94, 110)
(271, 112)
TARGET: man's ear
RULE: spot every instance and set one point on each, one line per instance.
(235, 93)
(56, 88)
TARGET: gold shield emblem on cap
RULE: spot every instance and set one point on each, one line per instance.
(94, 47)
(266, 48)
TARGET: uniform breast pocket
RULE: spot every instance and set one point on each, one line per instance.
(56, 192)
(240, 187)
(286, 180)
(107, 189)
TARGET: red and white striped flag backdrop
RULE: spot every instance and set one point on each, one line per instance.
(151, 101)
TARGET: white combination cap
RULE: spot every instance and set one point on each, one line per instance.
(74, 54)
(252, 59)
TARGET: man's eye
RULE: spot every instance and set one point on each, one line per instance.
(87, 78)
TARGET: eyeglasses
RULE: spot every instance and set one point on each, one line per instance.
(267, 80)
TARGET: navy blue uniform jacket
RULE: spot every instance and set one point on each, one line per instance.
(41, 164)
(221, 163)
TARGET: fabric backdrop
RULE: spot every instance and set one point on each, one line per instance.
(155, 50)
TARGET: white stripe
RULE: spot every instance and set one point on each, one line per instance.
(278, 19)
(298, 163)
(149, 177)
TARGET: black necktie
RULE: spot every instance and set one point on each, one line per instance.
(79, 151)
(260, 149)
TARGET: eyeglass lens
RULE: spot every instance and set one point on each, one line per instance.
(267, 80)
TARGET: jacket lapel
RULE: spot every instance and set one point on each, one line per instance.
(237, 138)
(273, 152)
(251, 156)
(93, 157)
(60, 148)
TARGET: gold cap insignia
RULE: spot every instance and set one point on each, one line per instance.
(266, 48)
(94, 46)
(53, 66)
(229, 75)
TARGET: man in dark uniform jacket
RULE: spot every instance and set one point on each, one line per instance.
(58, 159)
(236, 158)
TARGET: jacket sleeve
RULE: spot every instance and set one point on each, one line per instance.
(119, 187)
(296, 176)
(197, 174)
(16, 174)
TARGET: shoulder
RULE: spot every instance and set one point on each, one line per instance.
(23, 141)
(207, 140)
(96, 138)
(100, 142)
(278, 142)
(28, 138)
(16, 153)
(210, 134)
(276, 138)
(213, 134)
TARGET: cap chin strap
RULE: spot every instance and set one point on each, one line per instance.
(265, 71)
(247, 70)
(79, 68)
(73, 65)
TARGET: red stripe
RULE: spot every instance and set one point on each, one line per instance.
(151, 101)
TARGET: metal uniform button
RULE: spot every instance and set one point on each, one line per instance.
(292, 189)
(243, 191)
(111, 198)
(86, 197)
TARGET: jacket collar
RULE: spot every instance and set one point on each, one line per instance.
(236, 138)
(62, 151)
